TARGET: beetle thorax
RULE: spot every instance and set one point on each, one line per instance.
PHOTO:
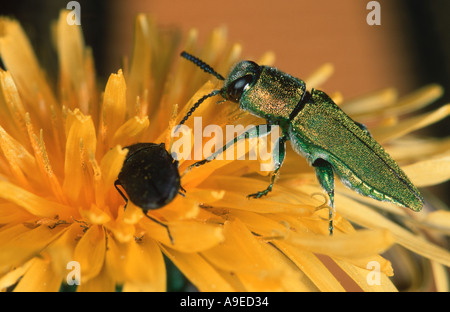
(274, 95)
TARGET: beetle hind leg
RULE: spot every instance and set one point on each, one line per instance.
(324, 173)
(162, 224)
(116, 184)
(268, 189)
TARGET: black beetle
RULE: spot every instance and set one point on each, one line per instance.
(150, 177)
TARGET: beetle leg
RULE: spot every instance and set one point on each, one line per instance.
(363, 127)
(116, 183)
(162, 224)
(324, 173)
(254, 132)
(278, 153)
(182, 191)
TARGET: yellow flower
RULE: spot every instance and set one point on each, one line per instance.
(62, 151)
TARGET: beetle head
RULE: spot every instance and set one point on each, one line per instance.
(241, 78)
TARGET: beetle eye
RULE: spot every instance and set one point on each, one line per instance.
(238, 87)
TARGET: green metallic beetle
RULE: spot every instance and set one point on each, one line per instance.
(317, 128)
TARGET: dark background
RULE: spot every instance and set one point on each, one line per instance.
(410, 48)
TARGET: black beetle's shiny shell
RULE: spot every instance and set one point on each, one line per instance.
(149, 175)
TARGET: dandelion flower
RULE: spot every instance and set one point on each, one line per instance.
(62, 150)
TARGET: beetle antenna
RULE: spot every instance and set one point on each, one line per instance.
(195, 106)
(202, 65)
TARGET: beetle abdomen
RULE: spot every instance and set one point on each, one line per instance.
(359, 161)
(149, 175)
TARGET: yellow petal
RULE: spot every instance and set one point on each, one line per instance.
(418, 99)
(90, 252)
(232, 57)
(362, 243)
(95, 215)
(80, 145)
(412, 149)
(103, 282)
(268, 59)
(293, 277)
(440, 277)
(113, 108)
(131, 131)
(240, 251)
(13, 256)
(383, 134)
(133, 214)
(409, 103)
(13, 276)
(196, 176)
(238, 201)
(145, 268)
(20, 161)
(262, 225)
(180, 89)
(430, 171)
(110, 167)
(188, 235)
(364, 216)
(205, 89)
(60, 251)
(12, 214)
(14, 105)
(71, 56)
(318, 77)
(312, 267)
(214, 46)
(239, 187)
(20, 60)
(32, 203)
(39, 278)
(115, 259)
(366, 279)
(138, 264)
(370, 102)
(257, 265)
(181, 208)
(139, 77)
(383, 265)
(200, 272)
(50, 180)
(122, 231)
(439, 219)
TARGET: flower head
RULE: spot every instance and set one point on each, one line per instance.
(62, 150)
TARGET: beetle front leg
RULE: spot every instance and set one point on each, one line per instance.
(254, 132)
(278, 154)
(324, 173)
(116, 183)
